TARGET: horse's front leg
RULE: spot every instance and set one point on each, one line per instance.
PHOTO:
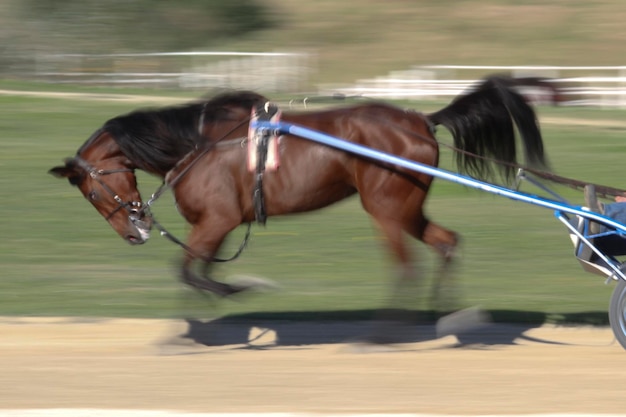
(204, 282)
(203, 245)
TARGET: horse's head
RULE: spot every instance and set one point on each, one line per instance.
(110, 185)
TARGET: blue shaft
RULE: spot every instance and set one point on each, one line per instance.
(364, 151)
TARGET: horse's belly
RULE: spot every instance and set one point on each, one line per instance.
(303, 193)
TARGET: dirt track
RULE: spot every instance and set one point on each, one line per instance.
(125, 364)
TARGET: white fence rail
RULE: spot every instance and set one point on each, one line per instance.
(262, 71)
(285, 72)
(579, 85)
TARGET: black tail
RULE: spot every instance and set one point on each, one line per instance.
(483, 123)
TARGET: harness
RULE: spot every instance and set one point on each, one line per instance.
(262, 155)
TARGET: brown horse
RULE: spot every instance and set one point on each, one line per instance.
(213, 186)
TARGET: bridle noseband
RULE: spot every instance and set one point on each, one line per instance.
(132, 207)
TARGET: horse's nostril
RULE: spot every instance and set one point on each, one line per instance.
(134, 240)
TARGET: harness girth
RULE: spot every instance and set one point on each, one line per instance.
(264, 112)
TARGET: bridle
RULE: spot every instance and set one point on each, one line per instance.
(132, 207)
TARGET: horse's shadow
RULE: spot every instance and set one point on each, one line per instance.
(469, 327)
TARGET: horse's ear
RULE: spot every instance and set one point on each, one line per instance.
(62, 172)
(68, 171)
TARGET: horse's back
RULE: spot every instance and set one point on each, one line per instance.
(373, 124)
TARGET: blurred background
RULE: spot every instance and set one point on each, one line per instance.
(60, 258)
(396, 49)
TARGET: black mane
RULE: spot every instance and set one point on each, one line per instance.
(156, 139)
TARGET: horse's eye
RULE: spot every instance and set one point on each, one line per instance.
(93, 195)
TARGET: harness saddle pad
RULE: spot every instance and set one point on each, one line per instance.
(254, 141)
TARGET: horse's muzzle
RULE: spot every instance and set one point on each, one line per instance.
(142, 226)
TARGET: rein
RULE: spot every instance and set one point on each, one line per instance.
(601, 190)
(165, 233)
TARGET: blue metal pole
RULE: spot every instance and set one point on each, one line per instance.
(364, 151)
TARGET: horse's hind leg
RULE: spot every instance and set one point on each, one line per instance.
(404, 273)
(444, 242)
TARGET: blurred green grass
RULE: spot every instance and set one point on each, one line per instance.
(59, 257)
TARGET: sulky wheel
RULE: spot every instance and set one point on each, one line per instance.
(617, 312)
